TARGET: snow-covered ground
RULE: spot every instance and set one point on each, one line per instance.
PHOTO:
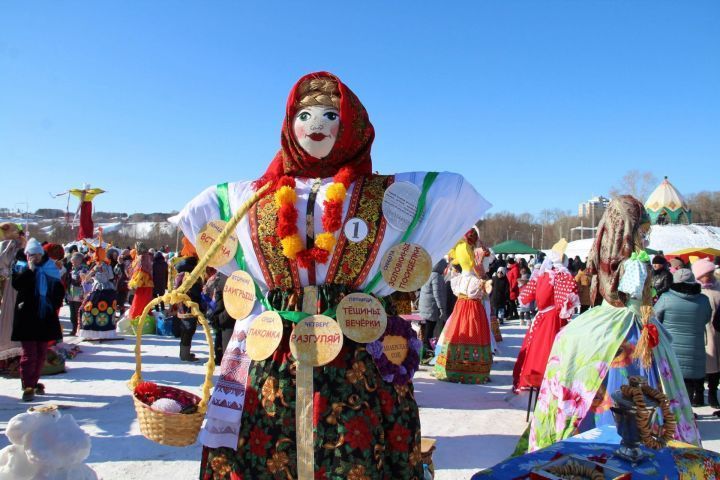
(476, 426)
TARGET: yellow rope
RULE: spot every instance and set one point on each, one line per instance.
(179, 296)
(189, 280)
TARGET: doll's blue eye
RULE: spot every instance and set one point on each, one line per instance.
(331, 115)
(304, 116)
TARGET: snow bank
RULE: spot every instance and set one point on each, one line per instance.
(666, 238)
(670, 238)
(45, 445)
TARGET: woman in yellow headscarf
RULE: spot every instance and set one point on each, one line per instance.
(465, 355)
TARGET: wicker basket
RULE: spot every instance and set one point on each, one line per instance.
(180, 429)
(173, 429)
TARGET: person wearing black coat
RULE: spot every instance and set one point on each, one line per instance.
(500, 294)
(160, 278)
(224, 325)
(218, 317)
(40, 295)
(432, 304)
(188, 323)
(662, 278)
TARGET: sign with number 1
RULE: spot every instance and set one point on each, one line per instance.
(356, 230)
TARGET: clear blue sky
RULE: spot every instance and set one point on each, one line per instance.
(539, 103)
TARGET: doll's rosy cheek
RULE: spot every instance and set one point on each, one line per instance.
(299, 130)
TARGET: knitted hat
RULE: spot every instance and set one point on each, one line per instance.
(702, 267)
(659, 260)
(677, 263)
(683, 275)
(54, 251)
(33, 247)
(501, 270)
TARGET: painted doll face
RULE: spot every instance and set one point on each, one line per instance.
(316, 129)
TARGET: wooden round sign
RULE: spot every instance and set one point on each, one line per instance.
(207, 236)
(406, 267)
(239, 294)
(264, 335)
(395, 348)
(362, 317)
(400, 204)
(316, 340)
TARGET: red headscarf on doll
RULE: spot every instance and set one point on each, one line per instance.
(350, 154)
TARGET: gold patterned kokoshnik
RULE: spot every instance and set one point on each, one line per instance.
(278, 271)
(351, 262)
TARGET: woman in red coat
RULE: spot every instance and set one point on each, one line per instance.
(513, 274)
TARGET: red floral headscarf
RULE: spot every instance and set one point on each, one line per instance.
(350, 153)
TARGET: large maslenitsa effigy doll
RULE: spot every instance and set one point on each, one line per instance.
(317, 379)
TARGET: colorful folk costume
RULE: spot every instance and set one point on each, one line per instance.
(466, 352)
(364, 420)
(12, 242)
(597, 352)
(555, 292)
(97, 314)
(141, 280)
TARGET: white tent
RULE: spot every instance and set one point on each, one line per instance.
(581, 248)
(665, 238)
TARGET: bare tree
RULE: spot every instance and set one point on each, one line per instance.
(636, 183)
(705, 207)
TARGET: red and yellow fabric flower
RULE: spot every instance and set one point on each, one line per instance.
(292, 244)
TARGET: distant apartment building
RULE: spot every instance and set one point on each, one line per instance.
(594, 208)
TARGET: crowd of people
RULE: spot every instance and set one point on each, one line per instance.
(591, 325)
(100, 285)
(91, 278)
(545, 292)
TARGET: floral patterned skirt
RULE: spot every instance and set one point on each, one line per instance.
(622, 367)
(364, 427)
(590, 359)
(465, 355)
(97, 315)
